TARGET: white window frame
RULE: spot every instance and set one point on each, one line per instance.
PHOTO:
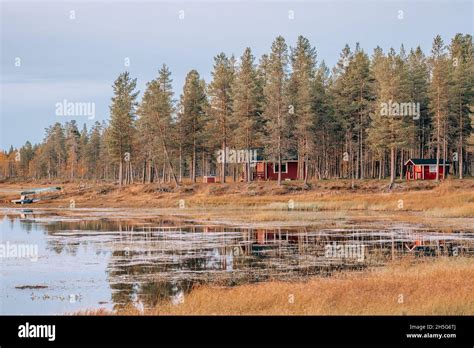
(282, 163)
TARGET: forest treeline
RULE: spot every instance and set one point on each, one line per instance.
(361, 119)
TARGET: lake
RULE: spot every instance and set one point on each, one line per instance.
(56, 261)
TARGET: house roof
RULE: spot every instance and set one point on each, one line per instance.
(276, 161)
(284, 159)
(426, 161)
(264, 157)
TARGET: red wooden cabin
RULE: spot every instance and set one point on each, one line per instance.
(425, 169)
(209, 179)
(268, 170)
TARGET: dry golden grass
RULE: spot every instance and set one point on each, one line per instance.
(420, 202)
(260, 193)
(437, 287)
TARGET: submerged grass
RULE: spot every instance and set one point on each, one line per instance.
(444, 286)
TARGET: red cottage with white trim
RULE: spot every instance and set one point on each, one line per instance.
(425, 169)
(268, 170)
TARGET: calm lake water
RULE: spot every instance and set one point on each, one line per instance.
(52, 263)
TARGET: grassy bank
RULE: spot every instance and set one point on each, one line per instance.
(436, 287)
(448, 204)
(321, 195)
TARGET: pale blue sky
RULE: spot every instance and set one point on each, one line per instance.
(79, 59)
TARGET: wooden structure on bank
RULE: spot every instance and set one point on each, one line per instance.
(268, 170)
(425, 169)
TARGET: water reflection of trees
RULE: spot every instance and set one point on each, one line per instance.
(155, 260)
(150, 273)
(106, 224)
(132, 281)
(26, 222)
(151, 276)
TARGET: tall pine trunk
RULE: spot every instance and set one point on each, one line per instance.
(438, 123)
(180, 163)
(121, 172)
(224, 157)
(392, 164)
(194, 161)
(460, 159)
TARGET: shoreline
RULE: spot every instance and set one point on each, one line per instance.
(448, 205)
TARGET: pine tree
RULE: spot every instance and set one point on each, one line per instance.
(389, 131)
(341, 102)
(220, 95)
(439, 93)
(407, 122)
(26, 155)
(248, 99)
(92, 151)
(191, 118)
(359, 99)
(300, 89)
(83, 141)
(353, 97)
(122, 117)
(54, 154)
(461, 92)
(328, 132)
(156, 112)
(276, 107)
(418, 91)
(72, 148)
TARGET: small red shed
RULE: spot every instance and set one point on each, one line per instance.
(425, 169)
(209, 179)
(268, 170)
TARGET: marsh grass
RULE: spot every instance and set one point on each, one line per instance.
(444, 286)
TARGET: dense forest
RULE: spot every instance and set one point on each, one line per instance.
(361, 119)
